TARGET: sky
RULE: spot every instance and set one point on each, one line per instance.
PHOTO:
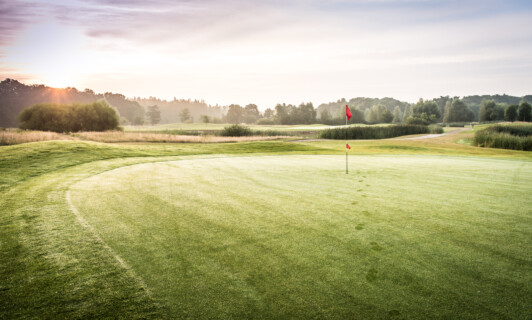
(272, 51)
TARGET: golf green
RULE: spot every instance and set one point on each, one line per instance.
(296, 237)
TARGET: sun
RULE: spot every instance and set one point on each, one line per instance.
(59, 80)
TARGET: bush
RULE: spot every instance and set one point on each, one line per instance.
(374, 132)
(515, 137)
(236, 130)
(434, 128)
(96, 116)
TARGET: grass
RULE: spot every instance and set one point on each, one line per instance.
(14, 136)
(259, 238)
(377, 132)
(259, 229)
(514, 136)
(119, 136)
(221, 126)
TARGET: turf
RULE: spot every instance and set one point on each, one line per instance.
(54, 266)
(293, 236)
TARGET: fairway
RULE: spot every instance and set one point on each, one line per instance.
(295, 237)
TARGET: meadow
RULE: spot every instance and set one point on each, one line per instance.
(425, 228)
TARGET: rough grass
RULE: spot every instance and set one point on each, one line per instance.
(377, 132)
(119, 136)
(516, 137)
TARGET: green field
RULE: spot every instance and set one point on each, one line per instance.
(417, 229)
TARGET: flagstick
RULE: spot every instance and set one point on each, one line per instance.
(346, 166)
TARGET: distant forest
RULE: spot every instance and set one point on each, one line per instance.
(16, 96)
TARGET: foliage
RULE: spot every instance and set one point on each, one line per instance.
(290, 114)
(457, 111)
(510, 113)
(154, 114)
(126, 108)
(96, 116)
(373, 132)
(250, 114)
(490, 111)
(205, 118)
(435, 129)
(516, 137)
(397, 115)
(426, 111)
(185, 116)
(236, 130)
(524, 112)
(386, 116)
(235, 114)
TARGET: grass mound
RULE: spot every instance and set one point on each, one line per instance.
(377, 132)
(515, 137)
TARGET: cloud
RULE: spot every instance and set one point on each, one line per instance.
(14, 17)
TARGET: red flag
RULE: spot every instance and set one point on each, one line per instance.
(347, 146)
(347, 112)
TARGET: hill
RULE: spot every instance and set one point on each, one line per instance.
(16, 96)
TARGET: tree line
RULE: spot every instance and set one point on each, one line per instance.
(423, 112)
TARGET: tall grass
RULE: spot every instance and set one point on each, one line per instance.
(376, 132)
(11, 137)
(120, 136)
(515, 137)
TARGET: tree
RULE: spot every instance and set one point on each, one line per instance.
(235, 114)
(397, 117)
(269, 113)
(325, 115)
(457, 111)
(304, 114)
(281, 114)
(205, 118)
(373, 116)
(386, 116)
(407, 113)
(524, 112)
(251, 113)
(510, 113)
(490, 111)
(430, 108)
(154, 114)
(185, 116)
(424, 112)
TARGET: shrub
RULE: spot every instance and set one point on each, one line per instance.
(515, 137)
(236, 130)
(95, 116)
(434, 128)
(375, 132)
